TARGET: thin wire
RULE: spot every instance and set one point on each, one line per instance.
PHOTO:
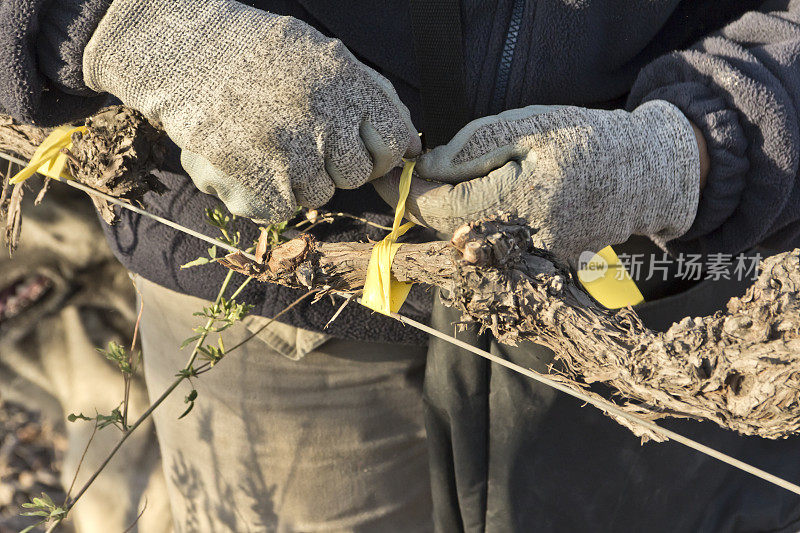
(605, 406)
(117, 201)
(11, 158)
(599, 403)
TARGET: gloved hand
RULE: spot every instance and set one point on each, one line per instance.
(585, 178)
(268, 112)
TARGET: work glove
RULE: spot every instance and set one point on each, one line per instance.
(585, 178)
(267, 111)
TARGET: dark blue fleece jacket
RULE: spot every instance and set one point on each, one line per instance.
(731, 66)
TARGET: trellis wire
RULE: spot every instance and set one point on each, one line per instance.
(131, 207)
(603, 405)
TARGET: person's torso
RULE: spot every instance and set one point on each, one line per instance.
(523, 52)
(516, 53)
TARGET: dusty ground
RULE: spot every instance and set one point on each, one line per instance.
(30, 454)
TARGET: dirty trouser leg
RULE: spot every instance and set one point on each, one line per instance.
(333, 441)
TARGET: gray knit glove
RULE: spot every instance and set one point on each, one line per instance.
(586, 178)
(268, 112)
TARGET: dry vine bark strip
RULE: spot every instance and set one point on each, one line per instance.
(18, 138)
(739, 368)
(21, 140)
(116, 156)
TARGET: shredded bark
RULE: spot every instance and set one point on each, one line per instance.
(20, 139)
(11, 210)
(117, 156)
(739, 368)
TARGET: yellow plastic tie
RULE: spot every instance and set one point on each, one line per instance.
(607, 280)
(382, 293)
(48, 159)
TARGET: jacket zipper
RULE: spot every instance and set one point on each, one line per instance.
(507, 56)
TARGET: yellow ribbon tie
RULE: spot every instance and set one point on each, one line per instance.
(607, 280)
(48, 159)
(382, 293)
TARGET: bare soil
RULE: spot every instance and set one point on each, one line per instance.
(30, 459)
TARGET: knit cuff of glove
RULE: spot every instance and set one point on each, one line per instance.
(669, 198)
(66, 27)
(727, 146)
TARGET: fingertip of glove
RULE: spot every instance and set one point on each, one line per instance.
(414, 146)
(316, 192)
(255, 208)
(387, 149)
(239, 197)
(427, 204)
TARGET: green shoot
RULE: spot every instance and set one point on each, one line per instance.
(44, 508)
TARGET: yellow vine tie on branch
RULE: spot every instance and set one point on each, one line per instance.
(382, 293)
(48, 159)
(607, 280)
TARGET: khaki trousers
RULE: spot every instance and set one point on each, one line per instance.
(49, 362)
(333, 441)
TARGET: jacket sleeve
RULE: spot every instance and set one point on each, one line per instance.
(41, 55)
(741, 87)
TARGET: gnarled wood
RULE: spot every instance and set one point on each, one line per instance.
(115, 156)
(740, 368)
(20, 139)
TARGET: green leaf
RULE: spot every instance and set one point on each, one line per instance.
(72, 417)
(187, 411)
(197, 262)
(48, 500)
(186, 373)
(188, 341)
(119, 355)
(31, 528)
(113, 419)
(36, 513)
(212, 252)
